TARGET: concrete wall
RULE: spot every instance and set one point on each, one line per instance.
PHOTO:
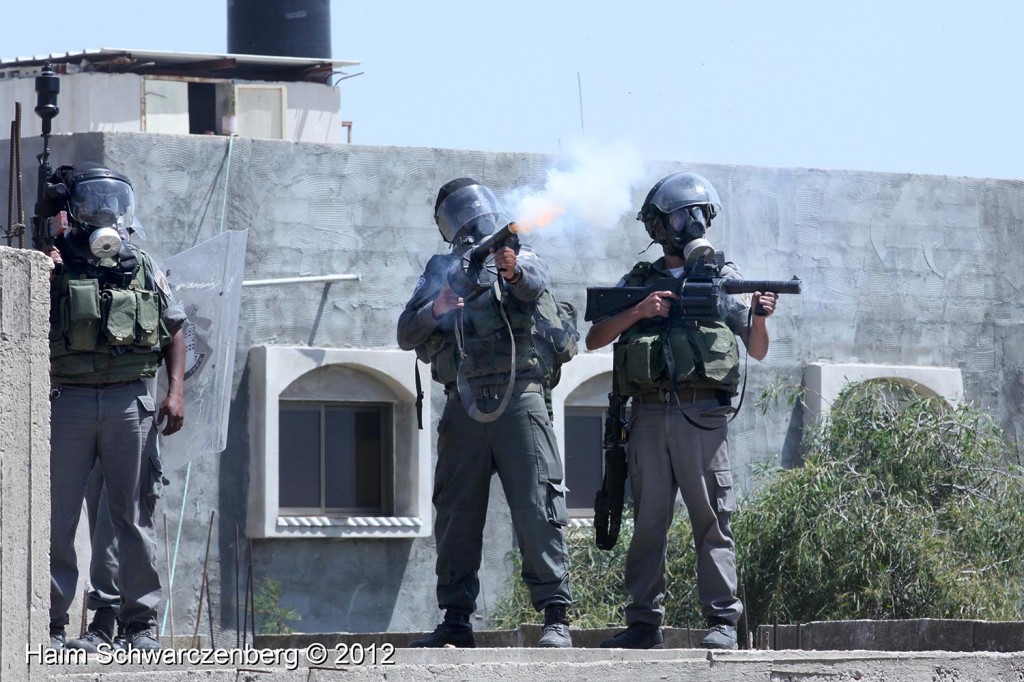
(897, 269)
(24, 458)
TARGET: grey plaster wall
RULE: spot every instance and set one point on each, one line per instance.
(898, 269)
(24, 459)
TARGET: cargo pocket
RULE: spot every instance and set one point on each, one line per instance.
(153, 473)
(83, 315)
(557, 512)
(720, 354)
(147, 319)
(724, 494)
(640, 363)
(120, 317)
(549, 465)
(444, 365)
(155, 490)
(682, 353)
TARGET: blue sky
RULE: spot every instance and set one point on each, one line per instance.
(913, 86)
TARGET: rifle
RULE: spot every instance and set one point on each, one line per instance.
(47, 88)
(611, 497)
(471, 276)
(699, 292)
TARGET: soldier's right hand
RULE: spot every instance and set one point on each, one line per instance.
(658, 304)
(445, 302)
(54, 253)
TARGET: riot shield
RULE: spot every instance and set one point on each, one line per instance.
(207, 282)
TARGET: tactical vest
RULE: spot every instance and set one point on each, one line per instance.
(105, 325)
(487, 346)
(702, 354)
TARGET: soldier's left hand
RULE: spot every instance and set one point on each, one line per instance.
(505, 260)
(767, 301)
(173, 409)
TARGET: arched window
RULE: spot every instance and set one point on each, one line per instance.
(336, 451)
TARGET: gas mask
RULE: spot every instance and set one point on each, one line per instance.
(102, 210)
(473, 233)
(684, 233)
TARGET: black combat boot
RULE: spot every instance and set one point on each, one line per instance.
(141, 636)
(556, 627)
(57, 637)
(637, 636)
(121, 638)
(101, 631)
(455, 630)
(721, 635)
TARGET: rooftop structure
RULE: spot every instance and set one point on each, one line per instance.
(111, 89)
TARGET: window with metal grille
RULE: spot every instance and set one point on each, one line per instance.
(335, 458)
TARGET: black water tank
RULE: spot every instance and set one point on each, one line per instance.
(280, 28)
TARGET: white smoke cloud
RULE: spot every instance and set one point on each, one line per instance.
(593, 188)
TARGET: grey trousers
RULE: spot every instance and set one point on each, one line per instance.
(103, 539)
(520, 446)
(114, 425)
(666, 454)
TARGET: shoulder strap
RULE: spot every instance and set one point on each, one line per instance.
(419, 395)
(638, 275)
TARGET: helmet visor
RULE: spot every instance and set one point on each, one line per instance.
(686, 189)
(467, 205)
(103, 202)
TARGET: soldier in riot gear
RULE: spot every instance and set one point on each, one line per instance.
(113, 322)
(475, 325)
(680, 399)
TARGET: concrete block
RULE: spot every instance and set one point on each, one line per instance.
(998, 636)
(935, 634)
(25, 457)
(923, 634)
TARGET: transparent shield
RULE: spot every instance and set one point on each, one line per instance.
(207, 282)
(465, 205)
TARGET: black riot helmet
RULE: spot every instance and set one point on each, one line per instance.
(100, 198)
(466, 212)
(100, 205)
(678, 209)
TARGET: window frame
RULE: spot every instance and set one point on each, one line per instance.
(272, 371)
(584, 367)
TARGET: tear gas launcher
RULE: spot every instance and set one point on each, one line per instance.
(476, 272)
(47, 87)
(699, 291)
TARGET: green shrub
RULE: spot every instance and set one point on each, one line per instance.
(267, 606)
(598, 587)
(904, 508)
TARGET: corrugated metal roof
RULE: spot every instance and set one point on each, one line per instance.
(241, 66)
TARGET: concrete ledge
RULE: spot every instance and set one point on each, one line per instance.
(925, 634)
(525, 636)
(576, 665)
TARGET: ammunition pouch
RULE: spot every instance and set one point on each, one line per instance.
(103, 333)
(703, 355)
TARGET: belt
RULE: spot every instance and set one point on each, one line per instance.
(686, 395)
(484, 391)
(112, 384)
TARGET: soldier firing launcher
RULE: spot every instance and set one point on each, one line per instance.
(699, 293)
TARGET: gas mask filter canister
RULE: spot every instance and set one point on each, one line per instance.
(104, 242)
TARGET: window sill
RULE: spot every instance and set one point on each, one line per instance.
(349, 527)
